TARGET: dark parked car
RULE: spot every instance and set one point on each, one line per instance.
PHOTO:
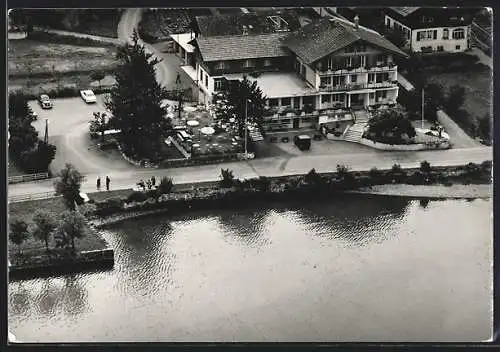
(44, 101)
(303, 142)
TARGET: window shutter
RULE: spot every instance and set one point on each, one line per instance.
(435, 34)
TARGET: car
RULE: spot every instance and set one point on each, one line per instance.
(44, 101)
(88, 96)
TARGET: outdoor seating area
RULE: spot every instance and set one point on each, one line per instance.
(200, 135)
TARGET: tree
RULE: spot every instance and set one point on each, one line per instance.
(18, 232)
(434, 95)
(237, 96)
(165, 185)
(99, 124)
(455, 98)
(38, 160)
(227, 178)
(392, 123)
(425, 167)
(313, 178)
(97, 76)
(73, 225)
(136, 101)
(485, 127)
(68, 185)
(45, 224)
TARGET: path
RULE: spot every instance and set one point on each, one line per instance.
(272, 167)
(165, 73)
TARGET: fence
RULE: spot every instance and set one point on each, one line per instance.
(28, 178)
(31, 196)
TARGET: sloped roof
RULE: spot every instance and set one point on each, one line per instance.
(238, 47)
(405, 11)
(328, 35)
(232, 24)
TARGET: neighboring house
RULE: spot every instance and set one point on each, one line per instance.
(433, 29)
(310, 76)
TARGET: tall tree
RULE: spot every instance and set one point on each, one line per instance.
(237, 96)
(392, 123)
(135, 101)
(18, 232)
(97, 76)
(68, 185)
(99, 124)
(455, 98)
(73, 225)
(45, 224)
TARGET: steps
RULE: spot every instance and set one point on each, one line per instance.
(362, 116)
(354, 133)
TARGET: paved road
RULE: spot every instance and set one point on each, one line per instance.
(131, 17)
(273, 167)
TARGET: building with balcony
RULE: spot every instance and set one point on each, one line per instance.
(314, 75)
(433, 29)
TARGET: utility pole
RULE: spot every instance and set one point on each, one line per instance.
(246, 128)
(46, 137)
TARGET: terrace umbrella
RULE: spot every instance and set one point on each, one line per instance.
(193, 123)
(207, 131)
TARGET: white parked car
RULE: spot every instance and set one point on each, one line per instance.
(88, 96)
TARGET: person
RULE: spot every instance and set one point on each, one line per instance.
(108, 181)
(153, 181)
(99, 183)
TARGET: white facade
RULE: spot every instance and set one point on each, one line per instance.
(446, 39)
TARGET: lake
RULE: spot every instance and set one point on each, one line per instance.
(355, 268)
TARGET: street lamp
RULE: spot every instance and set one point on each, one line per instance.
(46, 137)
(246, 127)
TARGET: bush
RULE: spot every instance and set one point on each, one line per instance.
(425, 166)
(227, 178)
(153, 193)
(313, 178)
(165, 185)
(109, 206)
(112, 144)
(136, 196)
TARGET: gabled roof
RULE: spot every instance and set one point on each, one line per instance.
(328, 35)
(405, 11)
(232, 24)
(238, 47)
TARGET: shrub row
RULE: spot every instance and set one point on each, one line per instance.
(313, 185)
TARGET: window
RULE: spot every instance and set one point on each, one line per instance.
(267, 62)
(325, 81)
(388, 22)
(348, 61)
(338, 80)
(457, 47)
(458, 33)
(427, 35)
(354, 78)
(445, 33)
(218, 84)
(303, 70)
(248, 63)
(440, 48)
(363, 61)
(381, 94)
(326, 99)
(381, 58)
(286, 101)
(371, 77)
(220, 65)
(206, 81)
(338, 98)
(372, 96)
(201, 75)
(426, 19)
(296, 102)
(273, 102)
(330, 63)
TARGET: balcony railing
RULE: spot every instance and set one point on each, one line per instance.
(350, 70)
(358, 86)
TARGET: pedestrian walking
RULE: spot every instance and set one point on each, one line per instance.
(99, 183)
(108, 181)
(153, 181)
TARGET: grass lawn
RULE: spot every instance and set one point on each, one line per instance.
(32, 247)
(51, 60)
(476, 80)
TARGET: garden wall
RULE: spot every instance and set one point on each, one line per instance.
(403, 147)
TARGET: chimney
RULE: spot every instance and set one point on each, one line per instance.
(356, 21)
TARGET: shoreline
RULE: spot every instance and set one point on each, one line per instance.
(455, 191)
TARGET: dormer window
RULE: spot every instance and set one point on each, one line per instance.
(458, 33)
(220, 65)
(426, 19)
